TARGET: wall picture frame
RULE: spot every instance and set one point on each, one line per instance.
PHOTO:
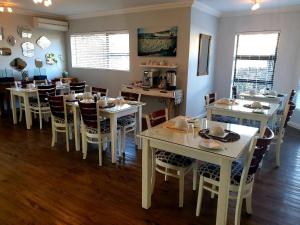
(157, 41)
(203, 54)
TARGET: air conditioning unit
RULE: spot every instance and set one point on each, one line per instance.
(50, 24)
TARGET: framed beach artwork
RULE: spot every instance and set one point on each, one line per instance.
(160, 42)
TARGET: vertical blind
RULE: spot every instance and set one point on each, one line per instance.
(108, 50)
(254, 61)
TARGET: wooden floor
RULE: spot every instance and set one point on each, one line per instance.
(40, 185)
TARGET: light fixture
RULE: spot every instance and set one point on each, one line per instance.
(47, 3)
(6, 7)
(256, 5)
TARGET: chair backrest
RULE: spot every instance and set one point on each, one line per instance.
(210, 98)
(292, 95)
(155, 118)
(234, 92)
(40, 77)
(102, 91)
(23, 83)
(89, 114)
(262, 146)
(130, 96)
(45, 91)
(289, 113)
(58, 106)
(40, 82)
(78, 87)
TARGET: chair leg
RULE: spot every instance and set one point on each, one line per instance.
(123, 141)
(53, 134)
(70, 132)
(249, 204)
(100, 151)
(67, 138)
(238, 209)
(84, 146)
(20, 114)
(278, 148)
(195, 176)
(199, 198)
(153, 178)
(181, 188)
(212, 195)
(41, 120)
(166, 176)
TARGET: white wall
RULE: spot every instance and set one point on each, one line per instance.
(114, 79)
(10, 22)
(286, 73)
(199, 86)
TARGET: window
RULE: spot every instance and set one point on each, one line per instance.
(109, 50)
(254, 61)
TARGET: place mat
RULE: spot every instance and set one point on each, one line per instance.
(225, 102)
(249, 106)
(229, 137)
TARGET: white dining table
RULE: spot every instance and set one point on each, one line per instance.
(24, 93)
(278, 99)
(190, 144)
(238, 110)
(113, 114)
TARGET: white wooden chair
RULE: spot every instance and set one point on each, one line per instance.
(61, 120)
(242, 175)
(170, 164)
(93, 129)
(128, 123)
(41, 106)
(280, 131)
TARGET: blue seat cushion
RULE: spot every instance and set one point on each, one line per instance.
(173, 159)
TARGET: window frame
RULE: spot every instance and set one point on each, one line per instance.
(237, 57)
(108, 32)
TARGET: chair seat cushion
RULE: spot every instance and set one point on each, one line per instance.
(62, 120)
(173, 159)
(36, 105)
(212, 171)
(126, 120)
(104, 125)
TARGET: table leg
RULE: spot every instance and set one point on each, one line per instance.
(139, 126)
(146, 174)
(223, 192)
(76, 118)
(263, 124)
(113, 136)
(209, 114)
(27, 112)
(170, 107)
(13, 107)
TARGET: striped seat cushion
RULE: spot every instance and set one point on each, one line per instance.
(126, 120)
(173, 159)
(212, 171)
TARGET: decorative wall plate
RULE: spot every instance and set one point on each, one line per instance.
(51, 59)
(43, 42)
(18, 64)
(38, 63)
(28, 49)
(11, 40)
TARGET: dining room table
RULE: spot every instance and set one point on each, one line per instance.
(191, 144)
(242, 109)
(112, 113)
(271, 98)
(25, 93)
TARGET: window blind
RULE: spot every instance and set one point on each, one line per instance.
(108, 50)
(254, 61)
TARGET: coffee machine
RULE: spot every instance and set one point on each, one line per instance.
(151, 78)
(171, 80)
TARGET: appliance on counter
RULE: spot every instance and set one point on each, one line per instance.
(151, 78)
(171, 80)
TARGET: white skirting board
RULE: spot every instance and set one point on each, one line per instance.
(294, 125)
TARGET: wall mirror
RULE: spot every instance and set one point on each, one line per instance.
(28, 49)
(43, 42)
(24, 32)
(1, 33)
(18, 64)
(5, 51)
(11, 40)
(203, 55)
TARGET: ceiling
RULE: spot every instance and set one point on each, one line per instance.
(225, 6)
(76, 7)
(73, 7)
